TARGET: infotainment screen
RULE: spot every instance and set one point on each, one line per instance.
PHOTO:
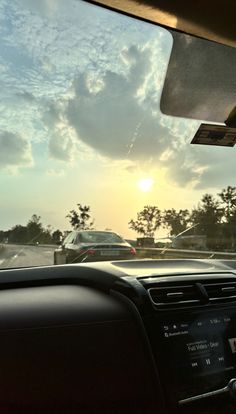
(200, 351)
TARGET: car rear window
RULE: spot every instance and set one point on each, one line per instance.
(99, 237)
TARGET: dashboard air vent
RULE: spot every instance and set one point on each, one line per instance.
(176, 295)
(221, 291)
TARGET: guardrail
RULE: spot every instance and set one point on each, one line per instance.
(157, 253)
(54, 246)
(153, 252)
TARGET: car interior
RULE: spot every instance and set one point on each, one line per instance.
(136, 336)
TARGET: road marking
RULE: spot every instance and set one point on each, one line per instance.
(11, 260)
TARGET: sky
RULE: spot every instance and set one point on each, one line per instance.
(80, 119)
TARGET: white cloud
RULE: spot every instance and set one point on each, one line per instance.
(15, 150)
(50, 42)
(114, 121)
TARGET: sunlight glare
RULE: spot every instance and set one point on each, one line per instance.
(145, 184)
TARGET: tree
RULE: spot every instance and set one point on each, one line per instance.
(228, 202)
(18, 234)
(56, 236)
(46, 235)
(34, 228)
(176, 221)
(81, 219)
(207, 218)
(147, 222)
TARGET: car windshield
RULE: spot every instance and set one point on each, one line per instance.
(85, 143)
(99, 237)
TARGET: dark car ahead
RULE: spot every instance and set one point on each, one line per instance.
(92, 246)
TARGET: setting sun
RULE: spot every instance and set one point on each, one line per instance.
(145, 184)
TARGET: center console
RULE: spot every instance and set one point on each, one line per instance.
(193, 334)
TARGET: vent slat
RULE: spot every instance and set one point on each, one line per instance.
(167, 296)
(221, 291)
(199, 292)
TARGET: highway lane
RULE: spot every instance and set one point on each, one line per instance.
(24, 256)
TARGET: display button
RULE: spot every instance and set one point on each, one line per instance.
(215, 321)
(208, 361)
(227, 319)
(232, 342)
(194, 364)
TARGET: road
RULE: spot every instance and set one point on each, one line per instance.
(24, 256)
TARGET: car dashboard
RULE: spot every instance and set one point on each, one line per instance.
(140, 336)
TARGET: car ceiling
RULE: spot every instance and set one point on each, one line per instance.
(212, 19)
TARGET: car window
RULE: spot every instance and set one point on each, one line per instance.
(100, 237)
(70, 238)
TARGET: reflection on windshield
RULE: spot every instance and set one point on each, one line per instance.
(84, 145)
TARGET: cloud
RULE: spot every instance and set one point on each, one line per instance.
(121, 119)
(114, 121)
(87, 83)
(15, 150)
(61, 147)
(131, 168)
(26, 96)
(220, 167)
(61, 143)
(81, 40)
(45, 8)
(55, 173)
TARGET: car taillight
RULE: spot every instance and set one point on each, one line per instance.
(133, 250)
(90, 251)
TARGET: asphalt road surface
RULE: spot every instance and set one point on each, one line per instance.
(23, 256)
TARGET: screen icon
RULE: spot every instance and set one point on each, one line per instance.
(194, 364)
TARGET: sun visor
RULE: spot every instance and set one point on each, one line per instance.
(200, 81)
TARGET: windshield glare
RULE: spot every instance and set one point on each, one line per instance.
(85, 147)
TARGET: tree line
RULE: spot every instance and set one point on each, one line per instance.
(214, 217)
(33, 232)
